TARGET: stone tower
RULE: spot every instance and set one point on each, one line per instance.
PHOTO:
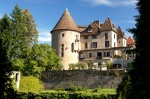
(65, 39)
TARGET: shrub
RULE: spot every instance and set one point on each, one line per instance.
(117, 56)
(109, 64)
(30, 84)
(75, 88)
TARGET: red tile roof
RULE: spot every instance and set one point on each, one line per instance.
(130, 41)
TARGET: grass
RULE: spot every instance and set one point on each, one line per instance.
(87, 91)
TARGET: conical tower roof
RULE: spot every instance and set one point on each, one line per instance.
(108, 26)
(66, 22)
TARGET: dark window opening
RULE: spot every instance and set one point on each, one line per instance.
(117, 66)
(89, 29)
(63, 34)
(62, 50)
(106, 54)
(106, 36)
(94, 36)
(94, 45)
(106, 43)
(99, 55)
(85, 37)
(86, 45)
(90, 54)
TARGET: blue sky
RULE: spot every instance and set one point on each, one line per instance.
(46, 13)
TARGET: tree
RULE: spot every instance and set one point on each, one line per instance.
(7, 91)
(19, 33)
(140, 74)
(41, 57)
(32, 32)
(25, 35)
(6, 32)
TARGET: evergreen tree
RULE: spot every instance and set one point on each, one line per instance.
(19, 33)
(6, 32)
(139, 82)
(32, 32)
(6, 88)
(25, 35)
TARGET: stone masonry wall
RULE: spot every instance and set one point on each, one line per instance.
(82, 78)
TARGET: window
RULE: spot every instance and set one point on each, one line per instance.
(76, 36)
(81, 56)
(114, 36)
(99, 55)
(114, 44)
(90, 54)
(106, 36)
(62, 54)
(94, 45)
(72, 47)
(62, 34)
(86, 45)
(106, 43)
(94, 36)
(85, 37)
(89, 29)
(106, 54)
(62, 50)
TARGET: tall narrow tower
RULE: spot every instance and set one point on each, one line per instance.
(65, 39)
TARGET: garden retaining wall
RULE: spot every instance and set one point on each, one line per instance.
(82, 78)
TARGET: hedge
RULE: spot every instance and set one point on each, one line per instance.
(61, 95)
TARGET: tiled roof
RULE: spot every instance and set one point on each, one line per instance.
(130, 41)
(66, 22)
(82, 28)
(108, 26)
(95, 27)
(120, 34)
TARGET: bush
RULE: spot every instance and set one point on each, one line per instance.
(75, 88)
(109, 64)
(117, 56)
(30, 84)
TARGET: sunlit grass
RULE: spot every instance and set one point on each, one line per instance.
(95, 91)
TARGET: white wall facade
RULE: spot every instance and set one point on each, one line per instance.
(121, 42)
(70, 47)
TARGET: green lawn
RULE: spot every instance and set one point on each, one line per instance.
(87, 91)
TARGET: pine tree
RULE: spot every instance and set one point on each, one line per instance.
(6, 88)
(32, 32)
(25, 35)
(6, 32)
(19, 33)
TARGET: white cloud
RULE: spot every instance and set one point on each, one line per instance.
(111, 2)
(128, 21)
(44, 35)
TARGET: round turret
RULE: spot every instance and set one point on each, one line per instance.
(65, 40)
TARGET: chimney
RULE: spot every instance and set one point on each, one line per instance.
(97, 22)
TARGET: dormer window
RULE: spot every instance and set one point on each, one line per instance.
(89, 29)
